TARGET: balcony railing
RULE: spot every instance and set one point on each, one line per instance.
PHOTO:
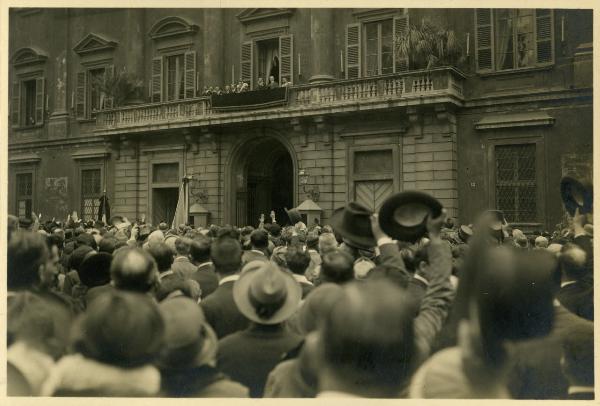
(415, 84)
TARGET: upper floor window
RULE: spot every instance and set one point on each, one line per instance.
(28, 100)
(370, 49)
(90, 91)
(173, 77)
(268, 57)
(508, 39)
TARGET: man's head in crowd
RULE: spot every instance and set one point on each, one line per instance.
(182, 246)
(572, 261)
(367, 338)
(297, 259)
(200, 250)
(162, 255)
(85, 239)
(337, 267)
(259, 240)
(541, 242)
(226, 255)
(327, 243)
(108, 244)
(133, 269)
(27, 259)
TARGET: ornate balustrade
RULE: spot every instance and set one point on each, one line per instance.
(407, 85)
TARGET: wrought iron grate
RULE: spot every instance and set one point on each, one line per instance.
(91, 191)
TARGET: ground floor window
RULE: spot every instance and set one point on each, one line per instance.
(516, 186)
(91, 191)
(24, 194)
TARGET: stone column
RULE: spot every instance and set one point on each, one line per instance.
(322, 40)
(213, 49)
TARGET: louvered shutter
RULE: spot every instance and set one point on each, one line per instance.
(352, 51)
(544, 35)
(15, 113)
(108, 102)
(246, 62)
(400, 29)
(157, 76)
(190, 74)
(80, 91)
(40, 98)
(484, 39)
(286, 57)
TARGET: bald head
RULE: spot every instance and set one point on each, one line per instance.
(541, 242)
(133, 269)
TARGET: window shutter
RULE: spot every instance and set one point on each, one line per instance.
(40, 99)
(286, 57)
(108, 101)
(544, 35)
(246, 62)
(15, 113)
(80, 90)
(353, 51)
(190, 74)
(157, 76)
(400, 29)
(484, 39)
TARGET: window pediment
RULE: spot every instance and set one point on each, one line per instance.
(254, 14)
(172, 26)
(28, 56)
(94, 43)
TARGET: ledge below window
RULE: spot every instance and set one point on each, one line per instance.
(516, 71)
(530, 119)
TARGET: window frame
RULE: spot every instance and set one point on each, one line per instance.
(540, 171)
(19, 169)
(364, 41)
(21, 78)
(92, 114)
(92, 166)
(165, 78)
(535, 66)
(159, 185)
(19, 197)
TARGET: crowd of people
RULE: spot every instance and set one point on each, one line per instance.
(243, 86)
(295, 310)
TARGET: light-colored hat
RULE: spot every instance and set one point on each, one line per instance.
(266, 294)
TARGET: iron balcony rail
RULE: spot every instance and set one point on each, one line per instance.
(440, 81)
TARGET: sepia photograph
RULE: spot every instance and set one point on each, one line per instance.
(219, 202)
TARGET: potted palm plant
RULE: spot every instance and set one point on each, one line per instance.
(119, 88)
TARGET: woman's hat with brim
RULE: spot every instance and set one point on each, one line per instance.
(403, 215)
(464, 233)
(265, 294)
(577, 195)
(353, 223)
(293, 215)
(186, 328)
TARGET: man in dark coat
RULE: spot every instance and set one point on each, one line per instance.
(259, 240)
(219, 308)
(205, 273)
(576, 293)
(182, 264)
(297, 260)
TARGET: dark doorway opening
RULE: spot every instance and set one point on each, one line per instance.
(164, 204)
(265, 182)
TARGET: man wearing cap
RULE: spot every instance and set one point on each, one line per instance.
(267, 296)
(187, 362)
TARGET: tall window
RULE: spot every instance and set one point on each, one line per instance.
(513, 38)
(379, 55)
(268, 59)
(24, 194)
(516, 187)
(175, 77)
(91, 191)
(96, 98)
(28, 102)
(89, 94)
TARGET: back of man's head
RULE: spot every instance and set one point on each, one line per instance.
(337, 267)
(107, 244)
(327, 243)
(133, 269)
(226, 255)
(162, 255)
(367, 337)
(200, 249)
(297, 259)
(26, 253)
(259, 239)
(182, 246)
(572, 261)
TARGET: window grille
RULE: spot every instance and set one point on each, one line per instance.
(516, 186)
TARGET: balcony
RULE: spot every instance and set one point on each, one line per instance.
(442, 85)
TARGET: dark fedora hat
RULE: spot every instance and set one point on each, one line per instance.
(294, 216)
(404, 214)
(353, 223)
(464, 233)
(576, 194)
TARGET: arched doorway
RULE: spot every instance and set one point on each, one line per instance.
(262, 172)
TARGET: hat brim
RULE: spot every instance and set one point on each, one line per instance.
(210, 346)
(576, 195)
(359, 241)
(242, 300)
(427, 204)
(293, 216)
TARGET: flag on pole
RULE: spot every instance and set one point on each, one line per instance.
(181, 210)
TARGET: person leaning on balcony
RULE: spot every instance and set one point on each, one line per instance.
(285, 82)
(272, 83)
(261, 84)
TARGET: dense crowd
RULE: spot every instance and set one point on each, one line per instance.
(296, 310)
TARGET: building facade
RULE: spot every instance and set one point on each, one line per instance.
(359, 121)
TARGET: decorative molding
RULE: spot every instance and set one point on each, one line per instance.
(94, 43)
(254, 14)
(93, 153)
(531, 119)
(28, 56)
(30, 158)
(364, 14)
(172, 26)
(146, 150)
